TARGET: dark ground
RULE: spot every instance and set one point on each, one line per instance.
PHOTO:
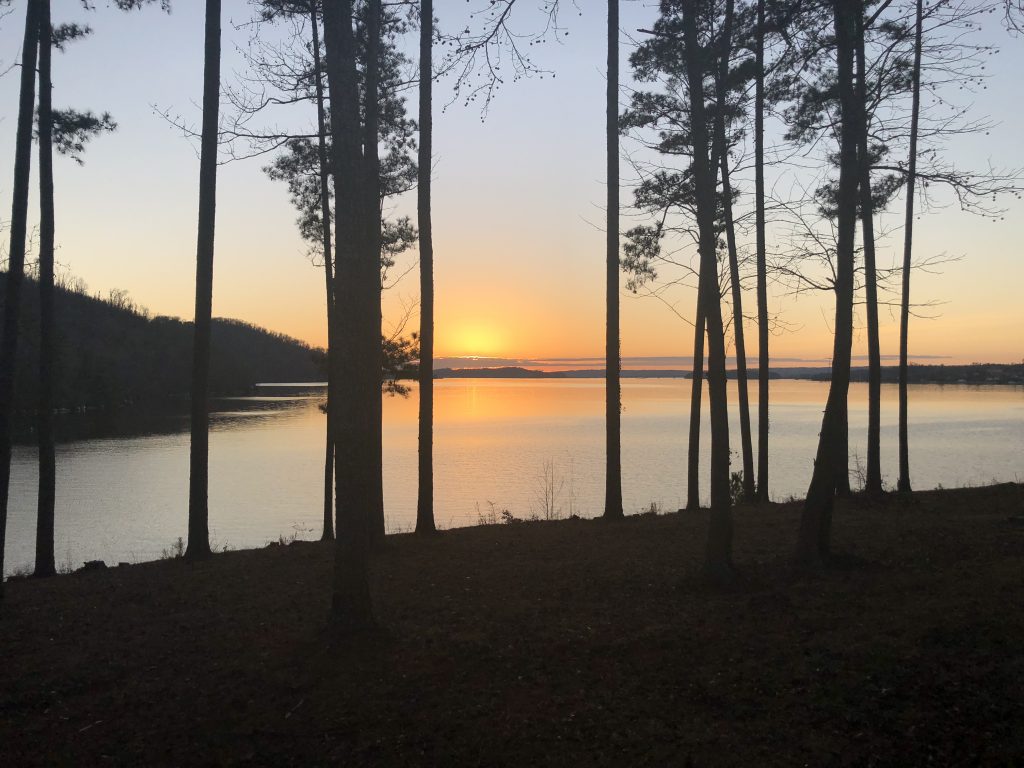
(568, 643)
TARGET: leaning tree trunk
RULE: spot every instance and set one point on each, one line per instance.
(734, 267)
(372, 223)
(873, 480)
(718, 554)
(612, 361)
(762, 269)
(903, 483)
(697, 384)
(16, 258)
(741, 346)
(425, 491)
(816, 521)
(45, 564)
(355, 358)
(325, 223)
(199, 458)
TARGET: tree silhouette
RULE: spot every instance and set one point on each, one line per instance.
(474, 58)
(813, 545)
(763, 363)
(873, 477)
(883, 79)
(356, 360)
(718, 555)
(304, 166)
(295, 169)
(16, 256)
(723, 81)
(613, 361)
(696, 389)
(660, 193)
(670, 113)
(425, 475)
(903, 480)
(45, 564)
(325, 236)
(67, 131)
(198, 501)
(371, 221)
(685, 48)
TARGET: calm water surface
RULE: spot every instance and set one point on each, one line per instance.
(126, 499)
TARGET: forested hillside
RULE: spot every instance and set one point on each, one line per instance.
(110, 352)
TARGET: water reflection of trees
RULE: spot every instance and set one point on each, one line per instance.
(171, 417)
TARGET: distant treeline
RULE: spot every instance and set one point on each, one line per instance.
(975, 373)
(110, 352)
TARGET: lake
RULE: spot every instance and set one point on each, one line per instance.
(126, 498)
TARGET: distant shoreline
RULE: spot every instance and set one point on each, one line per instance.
(982, 373)
(975, 373)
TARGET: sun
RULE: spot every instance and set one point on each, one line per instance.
(476, 340)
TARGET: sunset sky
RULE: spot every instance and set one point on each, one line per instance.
(518, 204)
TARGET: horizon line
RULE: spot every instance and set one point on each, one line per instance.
(630, 362)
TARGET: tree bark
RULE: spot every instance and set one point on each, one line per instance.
(873, 480)
(45, 564)
(747, 449)
(842, 439)
(697, 384)
(718, 554)
(903, 483)
(328, 529)
(762, 270)
(16, 257)
(613, 365)
(325, 219)
(425, 491)
(199, 458)
(813, 543)
(356, 358)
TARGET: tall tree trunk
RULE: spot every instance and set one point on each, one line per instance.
(356, 358)
(45, 564)
(841, 457)
(325, 221)
(816, 521)
(842, 441)
(199, 458)
(425, 492)
(372, 222)
(762, 269)
(613, 383)
(903, 483)
(697, 384)
(718, 554)
(734, 267)
(873, 481)
(328, 529)
(697, 378)
(16, 258)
